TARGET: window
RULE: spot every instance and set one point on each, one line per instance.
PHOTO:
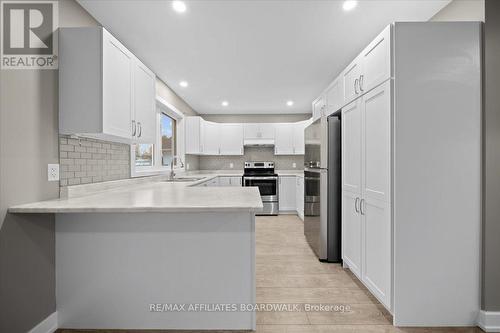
(168, 135)
(154, 158)
(144, 155)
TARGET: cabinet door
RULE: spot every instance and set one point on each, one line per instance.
(117, 88)
(376, 273)
(231, 139)
(376, 145)
(298, 138)
(235, 181)
(251, 131)
(144, 103)
(334, 96)
(192, 135)
(283, 141)
(376, 58)
(351, 232)
(266, 131)
(224, 181)
(210, 138)
(351, 147)
(351, 80)
(287, 193)
(299, 197)
(318, 108)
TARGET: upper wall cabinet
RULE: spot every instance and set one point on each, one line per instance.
(289, 139)
(376, 61)
(104, 90)
(231, 139)
(318, 107)
(256, 131)
(370, 68)
(334, 96)
(209, 138)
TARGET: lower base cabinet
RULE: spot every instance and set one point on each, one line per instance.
(299, 196)
(286, 192)
(229, 181)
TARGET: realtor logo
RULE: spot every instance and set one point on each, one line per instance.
(28, 39)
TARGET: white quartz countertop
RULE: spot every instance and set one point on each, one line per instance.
(158, 196)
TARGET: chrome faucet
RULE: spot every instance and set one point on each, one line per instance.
(175, 157)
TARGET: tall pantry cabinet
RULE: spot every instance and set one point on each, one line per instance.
(411, 171)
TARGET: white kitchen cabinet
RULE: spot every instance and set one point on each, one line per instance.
(299, 196)
(366, 218)
(117, 109)
(298, 138)
(209, 138)
(334, 96)
(287, 197)
(376, 143)
(351, 231)
(289, 138)
(144, 97)
(351, 147)
(230, 139)
(376, 247)
(210, 134)
(119, 103)
(193, 135)
(318, 107)
(283, 141)
(229, 181)
(376, 62)
(254, 131)
(350, 78)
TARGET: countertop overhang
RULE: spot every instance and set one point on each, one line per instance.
(154, 197)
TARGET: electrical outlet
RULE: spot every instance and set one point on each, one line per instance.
(53, 172)
(231, 165)
(294, 165)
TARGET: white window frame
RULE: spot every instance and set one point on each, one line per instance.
(162, 106)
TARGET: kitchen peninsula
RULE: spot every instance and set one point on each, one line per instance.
(122, 251)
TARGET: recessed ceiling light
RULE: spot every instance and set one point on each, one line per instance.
(289, 103)
(349, 4)
(179, 6)
(183, 84)
(225, 103)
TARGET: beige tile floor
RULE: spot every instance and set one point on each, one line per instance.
(287, 271)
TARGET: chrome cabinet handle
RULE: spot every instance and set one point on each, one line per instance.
(140, 130)
(361, 204)
(356, 86)
(134, 128)
(361, 80)
(356, 205)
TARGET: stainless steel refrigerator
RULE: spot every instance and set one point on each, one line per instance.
(322, 195)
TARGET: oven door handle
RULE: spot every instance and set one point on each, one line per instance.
(261, 178)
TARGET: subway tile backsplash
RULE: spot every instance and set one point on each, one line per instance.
(281, 162)
(84, 161)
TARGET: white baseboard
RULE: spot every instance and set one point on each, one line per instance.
(48, 325)
(489, 321)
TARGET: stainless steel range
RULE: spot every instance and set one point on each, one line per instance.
(261, 174)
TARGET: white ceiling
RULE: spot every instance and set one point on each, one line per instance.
(255, 54)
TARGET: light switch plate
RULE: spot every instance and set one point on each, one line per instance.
(294, 165)
(231, 165)
(53, 172)
(187, 166)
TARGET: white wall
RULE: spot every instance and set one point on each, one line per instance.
(461, 10)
